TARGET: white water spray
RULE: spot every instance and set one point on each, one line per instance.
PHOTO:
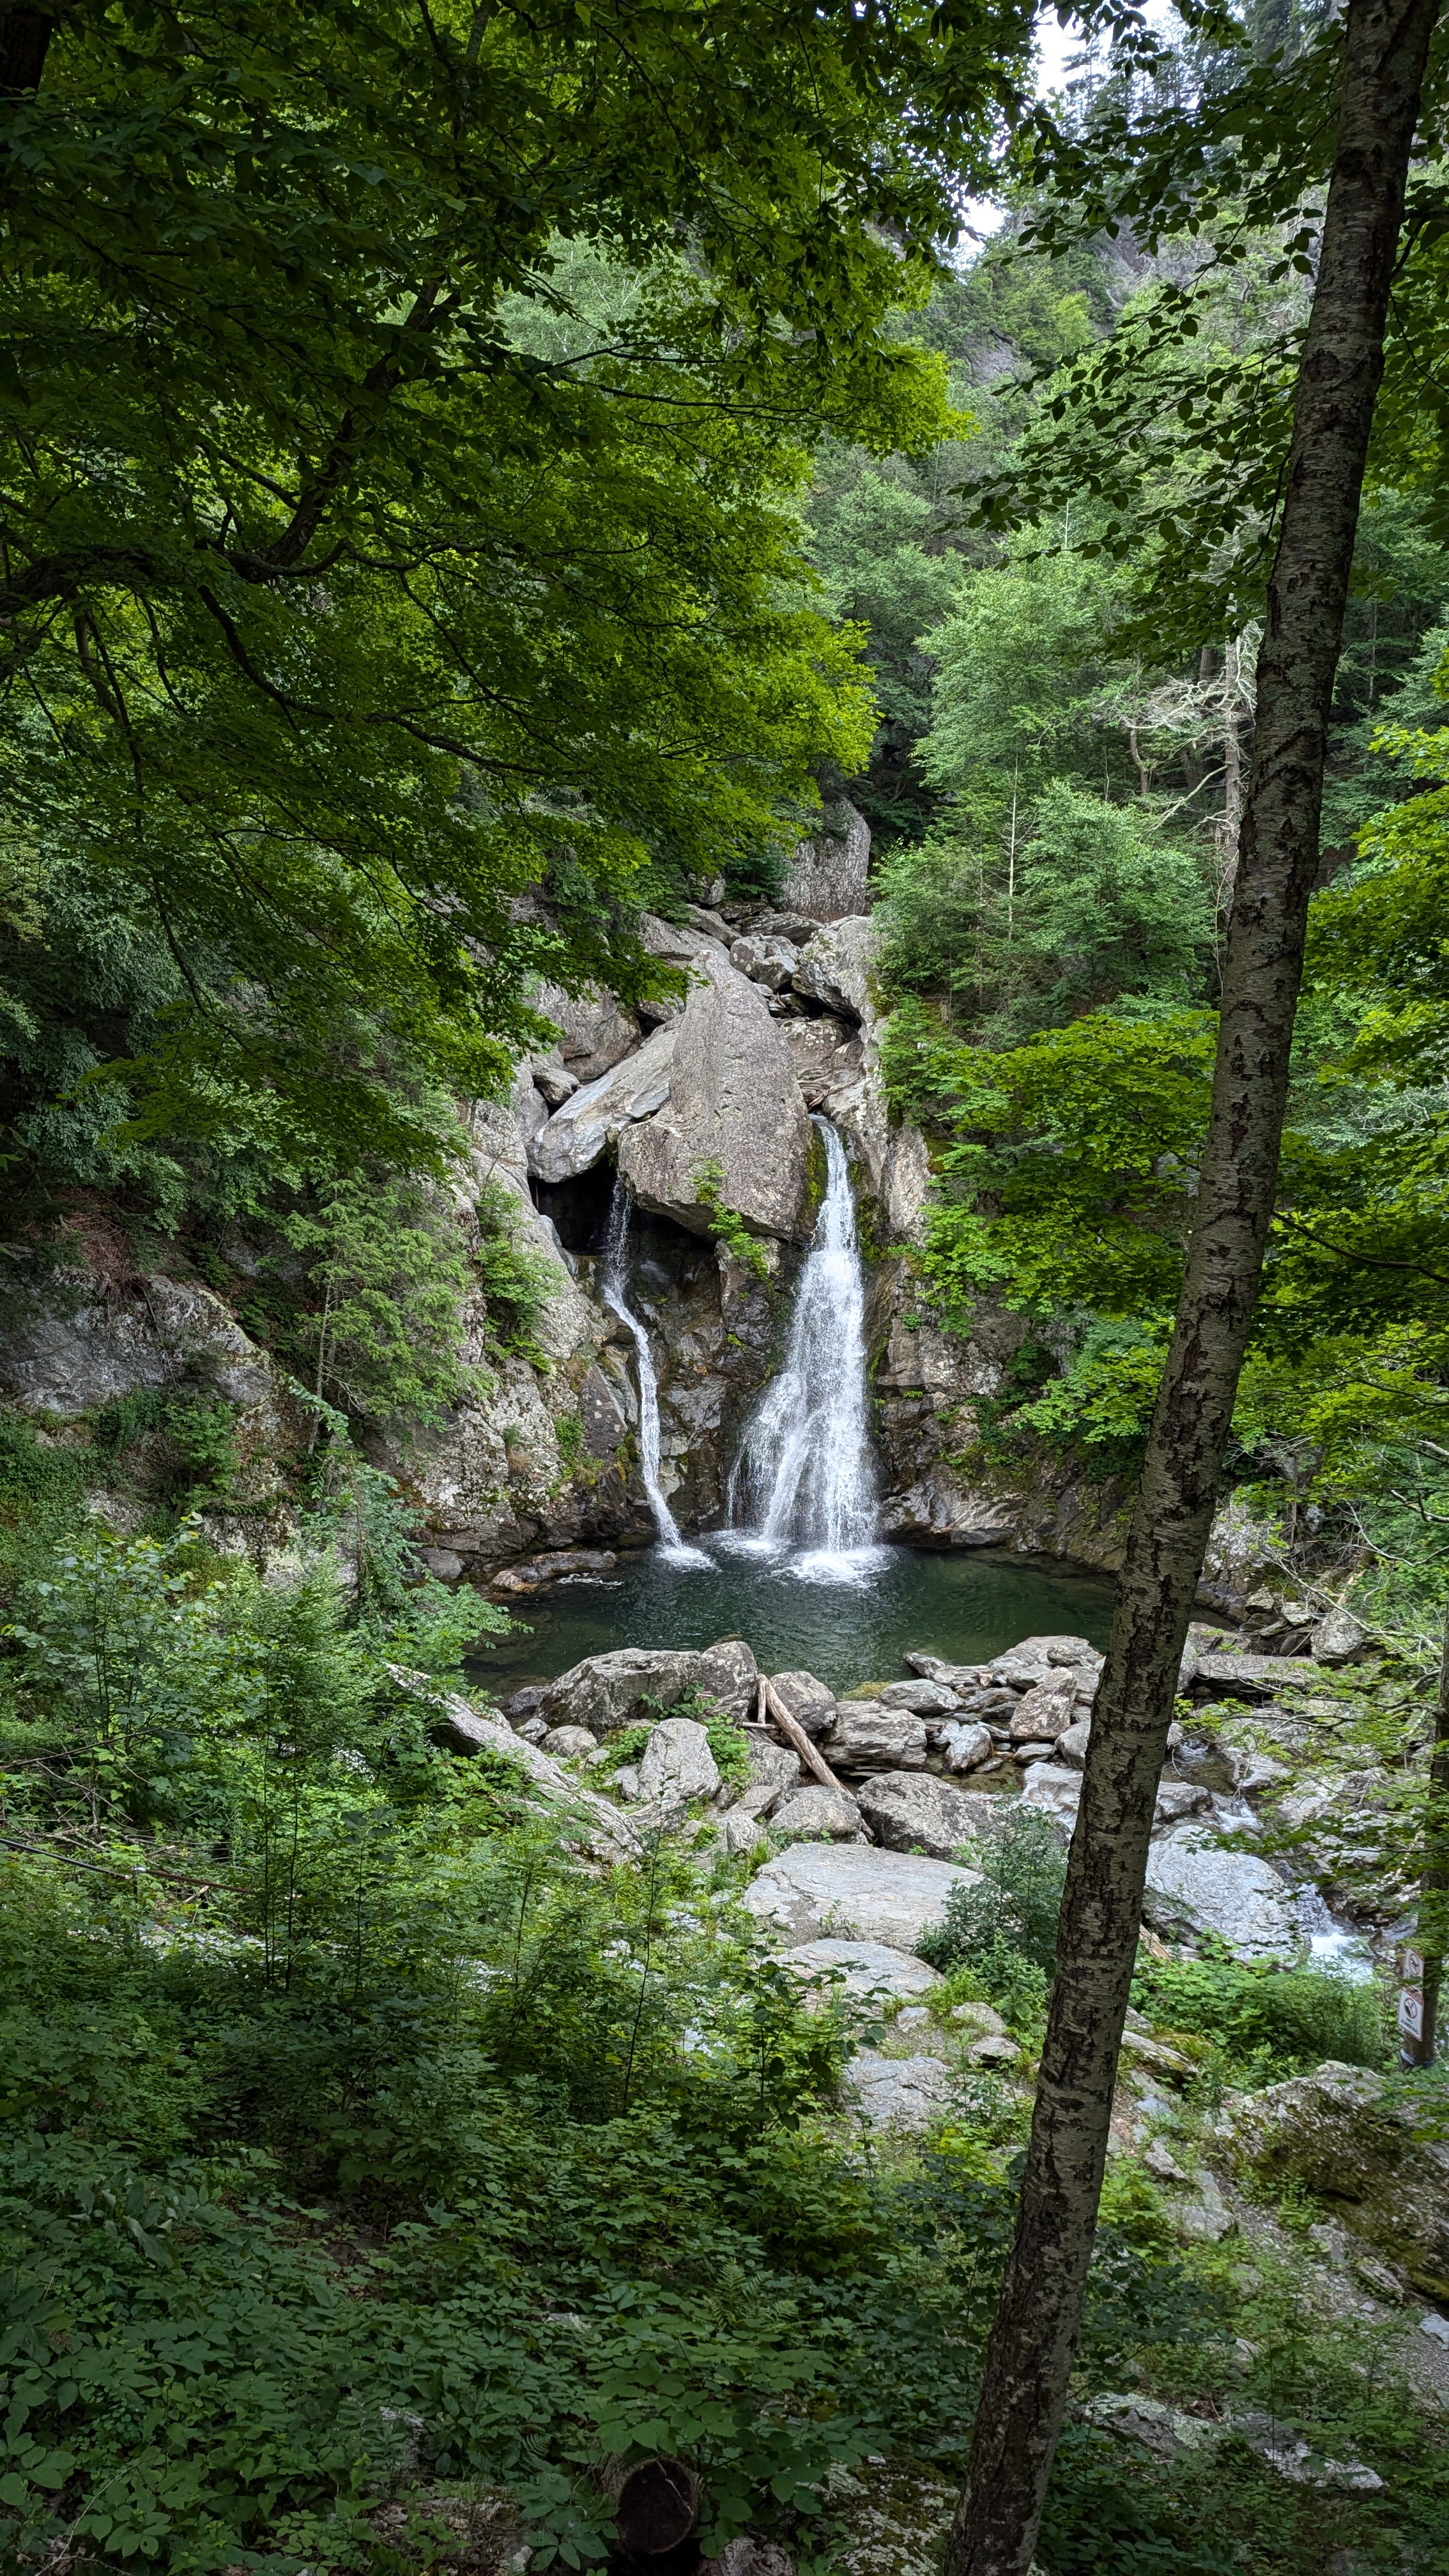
(805, 1475)
(616, 1280)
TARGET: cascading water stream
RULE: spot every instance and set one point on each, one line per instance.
(805, 1475)
(616, 1280)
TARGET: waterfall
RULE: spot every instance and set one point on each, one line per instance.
(616, 1280)
(805, 1474)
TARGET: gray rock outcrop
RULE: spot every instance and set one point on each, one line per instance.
(914, 1811)
(866, 1968)
(606, 1692)
(817, 1889)
(898, 2092)
(866, 1737)
(1341, 2132)
(734, 1109)
(729, 1675)
(593, 1117)
(830, 872)
(1190, 1881)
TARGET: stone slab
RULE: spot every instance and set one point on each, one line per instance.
(815, 1890)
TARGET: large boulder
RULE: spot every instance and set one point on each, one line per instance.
(819, 1814)
(729, 1675)
(772, 1765)
(1045, 1711)
(765, 961)
(914, 1811)
(589, 1819)
(1341, 2132)
(866, 1968)
(811, 1703)
(677, 1764)
(834, 969)
(735, 1116)
(1251, 1677)
(830, 873)
(594, 1032)
(609, 1691)
(898, 2092)
(816, 1889)
(591, 1118)
(866, 1737)
(1192, 1884)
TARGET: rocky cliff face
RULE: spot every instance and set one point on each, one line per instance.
(703, 1107)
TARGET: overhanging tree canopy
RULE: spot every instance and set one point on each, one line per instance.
(339, 608)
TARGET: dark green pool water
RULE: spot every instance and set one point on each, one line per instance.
(848, 1620)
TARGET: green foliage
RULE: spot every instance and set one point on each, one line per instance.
(726, 1225)
(1266, 2022)
(517, 1281)
(338, 2091)
(1092, 906)
(400, 593)
(1004, 1929)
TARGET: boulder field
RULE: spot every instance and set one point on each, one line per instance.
(860, 1810)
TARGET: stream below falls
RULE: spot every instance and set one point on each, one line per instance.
(849, 1624)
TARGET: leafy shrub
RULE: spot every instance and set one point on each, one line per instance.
(726, 1225)
(1003, 1931)
(1286, 2019)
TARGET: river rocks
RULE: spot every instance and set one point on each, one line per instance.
(1341, 2133)
(963, 1746)
(866, 1967)
(1056, 1789)
(913, 1811)
(677, 1764)
(1193, 1884)
(531, 1573)
(866, 1737)
(811, 1703)
(1071, 1745)
(592, 1118)
(729, 1675)
(609, 1691)
(898, 2092)
(772, 1765)
(766, 961)
(833, 969)
(1029, 1663)
(1044, 1712)
(922, 1698)
(819, 1814)
(734, 1112)
(815, 1889)
(1250, 1677)
(1177, 1799)
(1337, 1639)
(568, 1743)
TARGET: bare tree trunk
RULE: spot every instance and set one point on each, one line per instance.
(1029, 2356)
(1433, 1926)
(1230, 830)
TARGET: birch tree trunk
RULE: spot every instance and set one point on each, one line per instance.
(1029, 2356)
